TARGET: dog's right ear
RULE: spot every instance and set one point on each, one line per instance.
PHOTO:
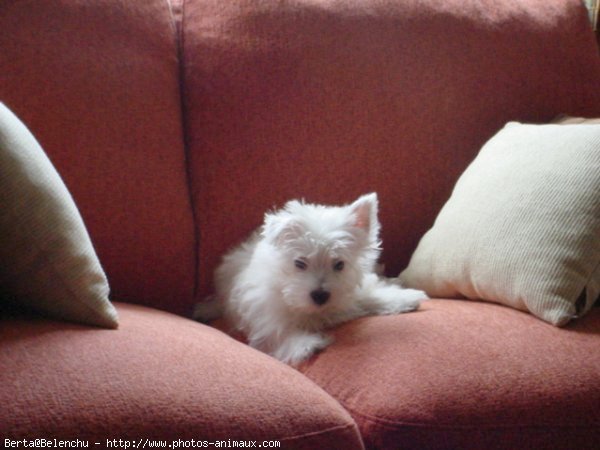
(281, 228)
(364, 212)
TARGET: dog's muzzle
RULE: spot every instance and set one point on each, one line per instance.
(320, 296)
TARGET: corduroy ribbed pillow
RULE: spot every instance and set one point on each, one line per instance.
(47, 261)
(522, 226)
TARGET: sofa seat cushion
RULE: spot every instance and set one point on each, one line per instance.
(158, 376)
(460, 374)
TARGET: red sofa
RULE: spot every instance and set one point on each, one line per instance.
(176, 126)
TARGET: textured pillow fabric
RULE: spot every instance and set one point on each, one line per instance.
(567, 120)
(522, 226)
(47, 261)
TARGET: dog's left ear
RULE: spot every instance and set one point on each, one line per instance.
(364, 212)
(281, 227)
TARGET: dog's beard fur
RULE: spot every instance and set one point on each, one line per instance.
(308, 268)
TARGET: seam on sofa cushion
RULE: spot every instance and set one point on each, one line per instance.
(179, 19)
(353, 426)
(387, 423)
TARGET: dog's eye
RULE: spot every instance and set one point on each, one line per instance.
(300, 264)
(338, 266)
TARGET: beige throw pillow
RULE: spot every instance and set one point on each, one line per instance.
(522, 226)
(47, 262)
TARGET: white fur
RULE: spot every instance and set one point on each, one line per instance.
(265, 287)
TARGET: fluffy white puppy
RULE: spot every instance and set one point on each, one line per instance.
(308, 268)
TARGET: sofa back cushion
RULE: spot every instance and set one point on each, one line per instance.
(97, 84)
(328, 100)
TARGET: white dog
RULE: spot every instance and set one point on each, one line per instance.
(308, 268)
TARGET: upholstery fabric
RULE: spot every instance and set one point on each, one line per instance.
(468, 375)
(47, 260)
(328, 100)
(522, 226)
(158, 376)
(97, 83)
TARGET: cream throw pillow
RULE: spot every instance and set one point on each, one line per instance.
(47, 261)
(522, 226)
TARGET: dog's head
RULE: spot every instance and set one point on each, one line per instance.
(323, 251)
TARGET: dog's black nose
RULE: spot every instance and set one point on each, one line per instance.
(320, 296)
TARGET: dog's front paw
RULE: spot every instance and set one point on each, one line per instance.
(395, 300)
(300, 346)
(411, 299)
